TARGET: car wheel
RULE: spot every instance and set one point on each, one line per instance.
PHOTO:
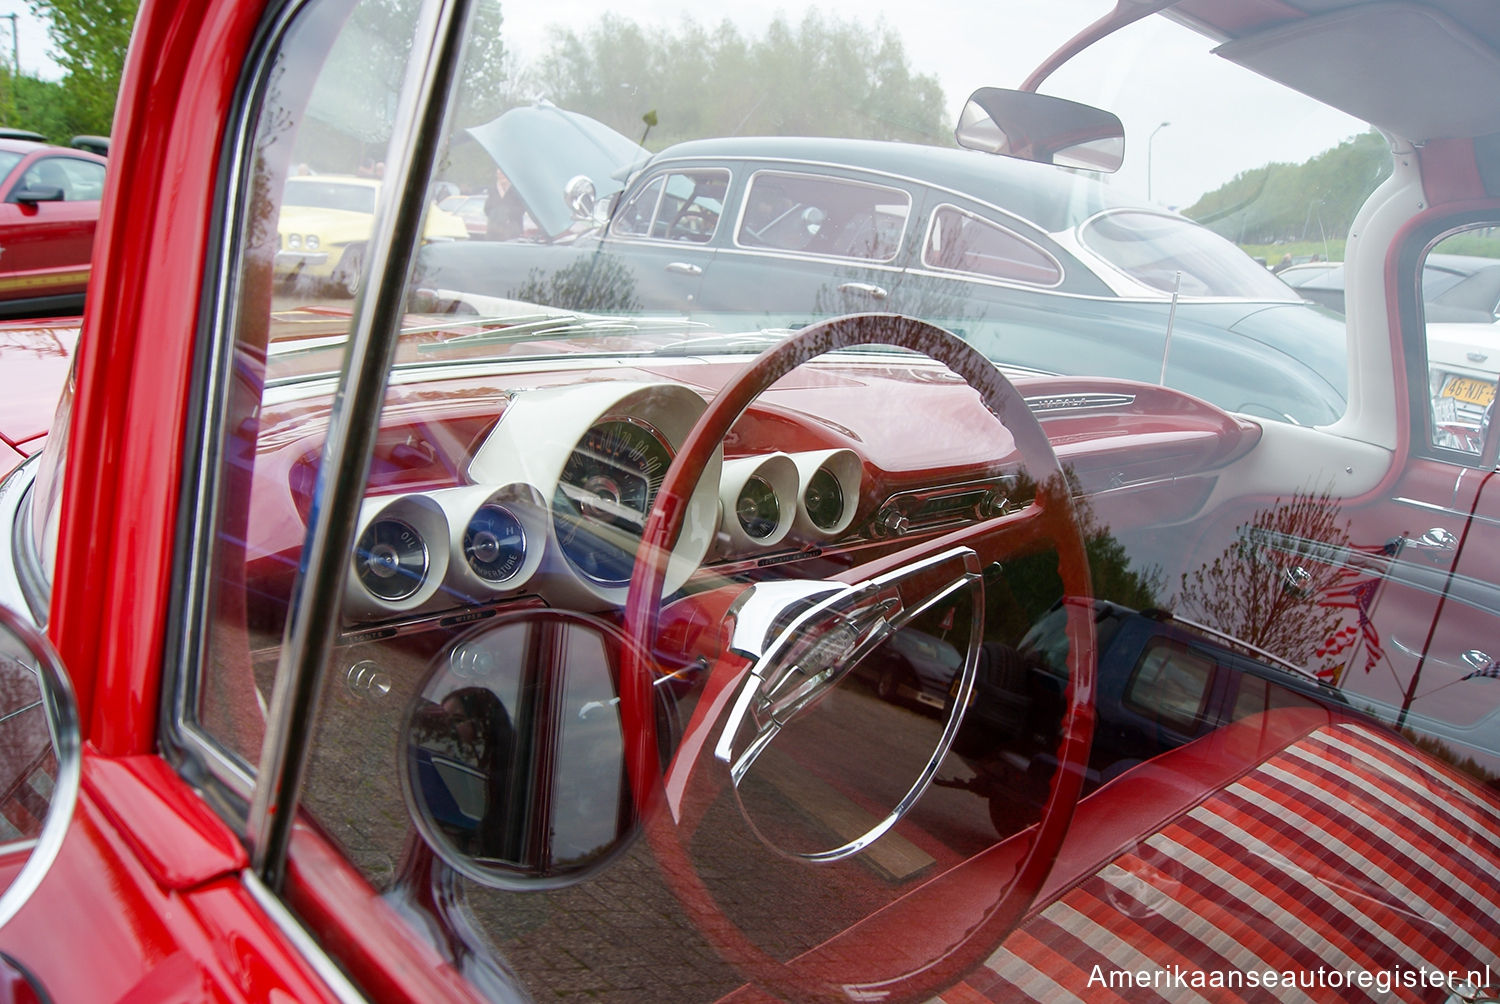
(888, 683)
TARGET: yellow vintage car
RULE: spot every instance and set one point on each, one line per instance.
(326, 221)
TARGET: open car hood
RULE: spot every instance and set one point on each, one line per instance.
(575, 144)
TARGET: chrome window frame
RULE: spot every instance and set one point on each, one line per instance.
(259, 801)
(665, 173)
(980, 277)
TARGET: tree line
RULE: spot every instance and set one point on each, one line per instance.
(1311, 201)
(817, 76)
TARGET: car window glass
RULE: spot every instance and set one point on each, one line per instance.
(1463, 337)
(79, 180)
(1256, 695)
(1170, 685)
(330, 194)
(962, 242)
(799, 212)
(1169, 253)
(636, 217)
(471, 751)
(8, 162)
(268, 460)
(685, 206)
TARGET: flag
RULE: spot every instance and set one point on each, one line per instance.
(1490, 669)
(1359, 597)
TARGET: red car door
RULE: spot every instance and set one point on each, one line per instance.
(45, 243)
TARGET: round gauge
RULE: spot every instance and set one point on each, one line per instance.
(494, 543)
(390, 559)
(824, 499)
(758, 509)
(604, 494)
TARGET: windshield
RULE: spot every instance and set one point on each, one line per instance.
(8, 162)
(325, 194)
(741, 534)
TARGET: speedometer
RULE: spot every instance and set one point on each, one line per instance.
(604, 494)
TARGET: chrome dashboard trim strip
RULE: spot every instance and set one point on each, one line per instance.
(1447, 511)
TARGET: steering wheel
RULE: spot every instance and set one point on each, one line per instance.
(1050, 517)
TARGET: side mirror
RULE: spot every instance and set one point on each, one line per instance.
(32, 194)
(515, 751)
(1030, 126)
(40, 759)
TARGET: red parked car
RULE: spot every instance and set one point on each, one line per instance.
(49, 206)
(349, 652)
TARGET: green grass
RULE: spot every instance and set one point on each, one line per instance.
(1331, 250)
(1485, 243)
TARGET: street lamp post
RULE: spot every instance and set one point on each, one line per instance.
(1150, 140)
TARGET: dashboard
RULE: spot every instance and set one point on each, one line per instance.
(495, 485)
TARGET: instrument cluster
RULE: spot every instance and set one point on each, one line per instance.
(562, 487)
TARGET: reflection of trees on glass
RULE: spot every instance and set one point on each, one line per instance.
(819, 77)
(356, 93)
(1270, 588)
(1030, 584)
(596, 283)
(27, 761)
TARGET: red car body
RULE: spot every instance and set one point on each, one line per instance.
(46, 244)
(154, 894)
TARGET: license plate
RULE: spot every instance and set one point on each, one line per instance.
(1469, 391)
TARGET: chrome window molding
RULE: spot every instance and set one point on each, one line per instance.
(23, 586)
(421, 111)
(954, 273)
(203, 454)
(912, 207)
(307, 946)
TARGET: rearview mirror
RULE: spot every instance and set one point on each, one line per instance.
(1030, 126)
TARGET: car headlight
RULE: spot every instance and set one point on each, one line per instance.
(294, 241)
(312, 242)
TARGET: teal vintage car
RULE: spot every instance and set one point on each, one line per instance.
(1036, 267)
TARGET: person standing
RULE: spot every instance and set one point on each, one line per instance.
(504, 212)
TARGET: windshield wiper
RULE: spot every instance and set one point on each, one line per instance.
(510, 330)
(738, 342)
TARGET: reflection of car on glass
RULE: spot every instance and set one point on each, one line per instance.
(1461, 303)
(1309, 273)
(1163, 682)
(1456, 288)
(470, 209)
(325, 223)
(1033, 267)
(521, 654)
(49, 205)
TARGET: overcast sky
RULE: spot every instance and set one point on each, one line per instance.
(1223, 119)
(31, 33)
